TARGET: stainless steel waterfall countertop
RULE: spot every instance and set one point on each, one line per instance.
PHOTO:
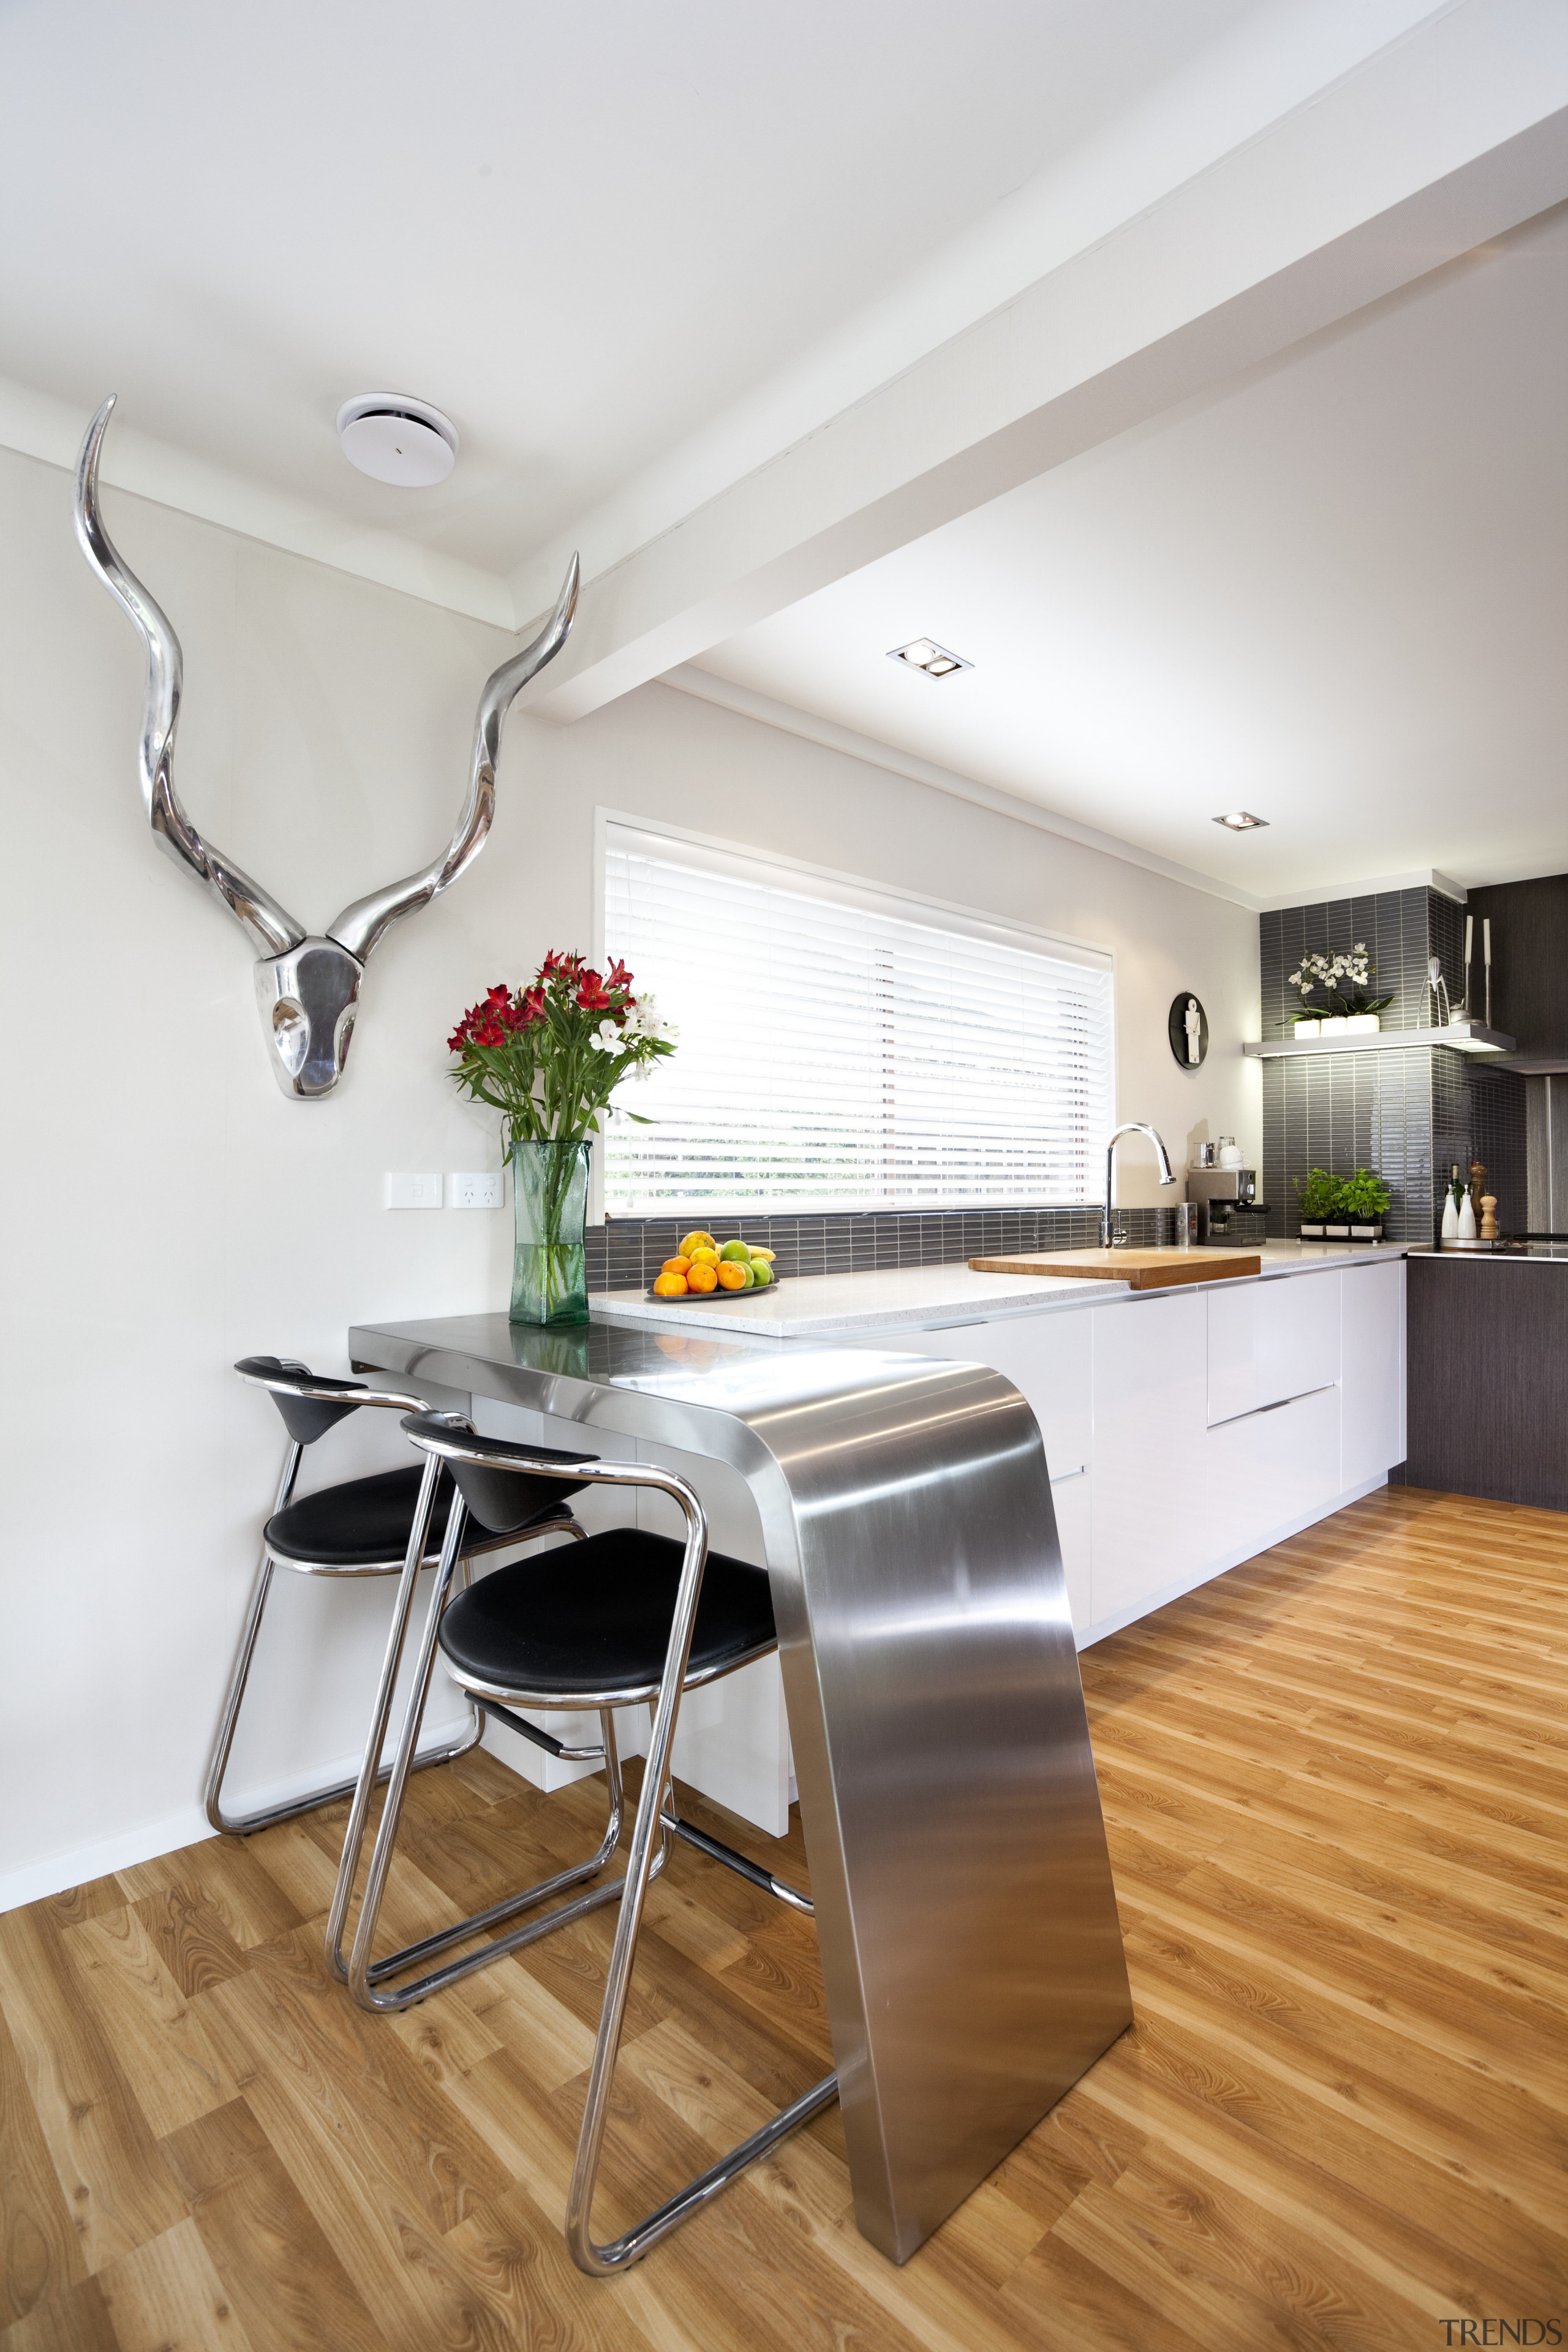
(971, 1950)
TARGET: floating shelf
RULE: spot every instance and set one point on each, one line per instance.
(1475, 1040)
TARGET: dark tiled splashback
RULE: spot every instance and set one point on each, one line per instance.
(1408, 1112)
(626, 1253)
(1397, 925)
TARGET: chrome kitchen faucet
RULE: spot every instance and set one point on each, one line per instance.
(1108, 1240)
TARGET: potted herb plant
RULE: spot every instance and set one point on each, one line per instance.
(1344, 977)
(1318, 1195)
(1364, 1198)
(549, 1058)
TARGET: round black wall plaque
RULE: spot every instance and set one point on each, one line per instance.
(1188, 1027)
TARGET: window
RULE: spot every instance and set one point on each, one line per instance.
(846, 1048)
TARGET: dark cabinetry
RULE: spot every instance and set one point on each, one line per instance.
(1487, 1358)
(1529, 960)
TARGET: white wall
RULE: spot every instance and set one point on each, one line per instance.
(166, 1210)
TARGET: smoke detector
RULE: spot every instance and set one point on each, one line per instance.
(394, 438)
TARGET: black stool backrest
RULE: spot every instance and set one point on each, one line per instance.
(305, 1417)
(499, 1499)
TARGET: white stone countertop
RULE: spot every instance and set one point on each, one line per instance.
(818, 1305)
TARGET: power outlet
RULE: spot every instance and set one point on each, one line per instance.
(483, 1190)
(413, 1192)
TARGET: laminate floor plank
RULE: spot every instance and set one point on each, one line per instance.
(265, 2243)
(173, 2071)
(40, 2252)
(106, 2160)
(1335, 1784)
(166, 2296)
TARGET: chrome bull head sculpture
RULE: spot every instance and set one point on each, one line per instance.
(307, 987)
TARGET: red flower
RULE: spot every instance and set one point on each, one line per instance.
(591, 993)
(531, 1006)
(559, 966)
(492, 1033)
(617, 976)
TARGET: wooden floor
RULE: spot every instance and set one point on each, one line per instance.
(1336, 1790)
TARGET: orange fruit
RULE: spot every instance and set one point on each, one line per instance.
(731, 1276)
(670, 1286)
(675, 1265)
(702, 1279)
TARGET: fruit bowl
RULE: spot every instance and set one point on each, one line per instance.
(711, 1298)
(705, 1268)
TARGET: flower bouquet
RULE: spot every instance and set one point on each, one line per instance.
(549, 1058)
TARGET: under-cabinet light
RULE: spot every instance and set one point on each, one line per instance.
(934, 659)
(1243, 821)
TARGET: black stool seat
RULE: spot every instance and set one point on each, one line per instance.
(598, 1622)
(366, 1520)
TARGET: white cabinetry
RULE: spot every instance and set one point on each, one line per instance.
(1048, 1357)
(1270, 1469)
(1271, 1340)
(1373, 1374)
(1150, 1467)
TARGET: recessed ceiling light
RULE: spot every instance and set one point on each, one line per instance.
(1243, 821)
(934, 659)
(393, 437)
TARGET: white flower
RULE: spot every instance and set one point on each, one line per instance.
(608, 1037)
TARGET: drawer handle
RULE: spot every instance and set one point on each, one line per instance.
(1061, 1476)
(1256, 1413)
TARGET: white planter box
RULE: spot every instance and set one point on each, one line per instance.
(1362, 1024)
(1312, 1233)
(1336, 1233)
(1308, 1028)
(1333, 1024)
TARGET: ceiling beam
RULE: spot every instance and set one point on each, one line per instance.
(1449, 138)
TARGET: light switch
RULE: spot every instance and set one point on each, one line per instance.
(414, 1192)
(483, 1190)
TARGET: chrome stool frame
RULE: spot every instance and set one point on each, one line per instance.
(447, 1437)
(311, 1404)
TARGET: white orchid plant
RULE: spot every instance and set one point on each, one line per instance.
(1345, 976)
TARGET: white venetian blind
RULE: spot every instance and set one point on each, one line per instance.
(841, 1049)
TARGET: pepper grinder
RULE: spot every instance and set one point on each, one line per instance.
(1488, 1217)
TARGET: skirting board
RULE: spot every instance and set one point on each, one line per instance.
(189, 1826)
(1106, 1626)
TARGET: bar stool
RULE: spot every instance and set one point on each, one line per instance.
(628, 1617)
(359, 1528)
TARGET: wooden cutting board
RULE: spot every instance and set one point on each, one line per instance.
(1144, 1269)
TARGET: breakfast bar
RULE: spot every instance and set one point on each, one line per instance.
(971, 1952)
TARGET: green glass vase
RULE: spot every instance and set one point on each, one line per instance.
(550, 1207)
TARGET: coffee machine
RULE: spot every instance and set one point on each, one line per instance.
(1230, 1214)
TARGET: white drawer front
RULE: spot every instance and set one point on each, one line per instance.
(1271, 1341)
(1271, 1467)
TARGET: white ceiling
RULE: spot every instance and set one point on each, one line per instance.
(1335, 594)
(582, 232)
(738, 302)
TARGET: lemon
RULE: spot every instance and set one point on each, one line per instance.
(695, 1241)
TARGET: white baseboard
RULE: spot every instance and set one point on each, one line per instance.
(1105, 1626)
(54, 1873)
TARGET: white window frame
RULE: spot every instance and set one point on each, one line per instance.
(851, 890)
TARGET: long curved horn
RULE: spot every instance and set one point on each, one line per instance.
(273, 931)
(359, 926)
